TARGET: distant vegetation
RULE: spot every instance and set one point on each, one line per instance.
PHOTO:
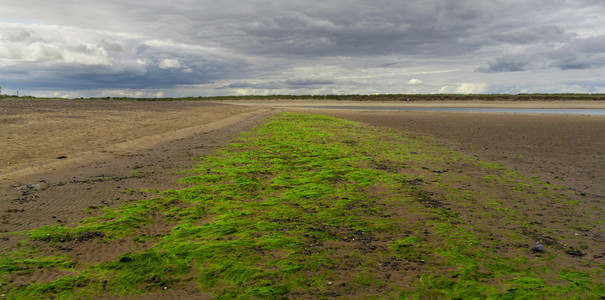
(19, 97)
(420, 97)
(380, 97)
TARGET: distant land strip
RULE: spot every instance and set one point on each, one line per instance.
(376, 97)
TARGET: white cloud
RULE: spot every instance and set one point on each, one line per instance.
(143, 61)
(415, 81)
(50, 45)
(169, 63)
(471, 88)
(464, 88)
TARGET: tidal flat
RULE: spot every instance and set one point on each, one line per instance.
(310, 206)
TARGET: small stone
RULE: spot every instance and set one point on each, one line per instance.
(575, 252)
(538, 248)
(62, 157)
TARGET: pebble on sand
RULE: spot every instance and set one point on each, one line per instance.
(538, 248)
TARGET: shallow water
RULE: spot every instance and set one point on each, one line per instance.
(564, 111)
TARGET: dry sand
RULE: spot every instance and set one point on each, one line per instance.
(35, 132)
(110, 147)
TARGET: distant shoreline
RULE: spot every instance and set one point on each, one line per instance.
(542, 104)
(357, 98)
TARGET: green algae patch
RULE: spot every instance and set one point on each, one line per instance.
(309, 206)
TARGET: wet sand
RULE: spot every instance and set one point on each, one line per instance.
(566, 150)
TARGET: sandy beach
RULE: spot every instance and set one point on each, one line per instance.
(61, 157)
(70, 148)
(64, 160)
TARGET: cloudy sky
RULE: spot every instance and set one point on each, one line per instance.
(229, 47)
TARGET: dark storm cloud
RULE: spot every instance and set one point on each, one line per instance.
(282, 84)
(334, 27)
(266, 44)
(574, 40)
(574, 53)
(509, 63)
(308, 82)
(580, 54)
(547, 33)
(355, 28)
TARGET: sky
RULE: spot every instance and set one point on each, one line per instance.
(177, 48)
